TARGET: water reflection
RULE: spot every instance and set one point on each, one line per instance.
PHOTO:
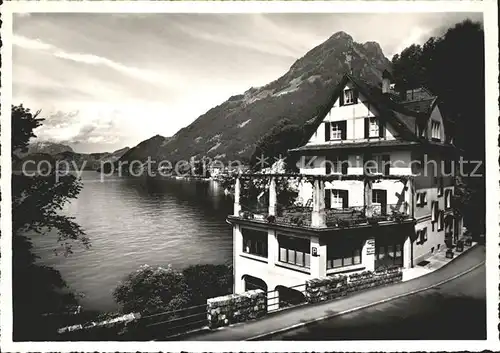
(136, 221)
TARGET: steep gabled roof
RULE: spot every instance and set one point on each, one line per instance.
(401, 119)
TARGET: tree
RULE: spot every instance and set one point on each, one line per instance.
(158, 289)
(42, 301)
(152, 289)
(452, 67)
(276, 143)
(208, 281)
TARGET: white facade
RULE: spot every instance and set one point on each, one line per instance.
(407, 182)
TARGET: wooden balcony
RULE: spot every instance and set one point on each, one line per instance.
(315, 214)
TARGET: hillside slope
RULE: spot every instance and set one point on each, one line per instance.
(59, 152)
(230, 130)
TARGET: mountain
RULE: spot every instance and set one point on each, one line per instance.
(230, 130)
(52, 152)
(44, 147)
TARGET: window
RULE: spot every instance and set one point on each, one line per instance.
(388, 251)
(447, 199)
(421, 199)
(441, 220)
(374, 127)
(378, 196)
(336, 199)
(348, 96)
(294, 250)
(254, 242)
(378, 164)
(335, 131)
(440, 186)
(422, 235)
(434, 211)
(379, 201)
(336, 165)
(435, 130)
(346, 252)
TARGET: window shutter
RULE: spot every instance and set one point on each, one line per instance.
(328, 166)
(367, 128)
(387, 165)
(343, 126)
(327, 131)
(345, 198)
(367, 163)
(341, 98)
(328, 199)
(356, 96)
(381, 129)
(344, 160)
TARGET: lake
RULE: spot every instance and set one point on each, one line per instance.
(132, 222)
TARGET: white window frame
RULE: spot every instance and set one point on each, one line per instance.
(421, 199)
(348, 96)
(441, 220)
(422, 235)
(374, 127)
(336, 200)
(435, 129)
(434, 213)
(335, 131)
(447, 198)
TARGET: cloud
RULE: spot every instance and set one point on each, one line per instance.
(90, 59)
(28, 43)
(77, 127)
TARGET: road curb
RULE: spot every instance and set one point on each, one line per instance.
(302, 324)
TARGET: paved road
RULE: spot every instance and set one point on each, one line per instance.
(454, 310)
(260, 329)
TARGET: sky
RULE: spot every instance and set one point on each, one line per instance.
(106, 81)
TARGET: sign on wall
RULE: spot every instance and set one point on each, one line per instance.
(370, 247)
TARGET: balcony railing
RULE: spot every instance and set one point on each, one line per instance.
(335, 217)
(313, 214)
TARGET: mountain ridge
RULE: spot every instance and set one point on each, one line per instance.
(230, 130)
(53, 152)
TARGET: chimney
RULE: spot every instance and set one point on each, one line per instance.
(386, 82)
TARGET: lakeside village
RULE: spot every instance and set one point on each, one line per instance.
(333, 228)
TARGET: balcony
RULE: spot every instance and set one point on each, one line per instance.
(314, 214)
(334, 218)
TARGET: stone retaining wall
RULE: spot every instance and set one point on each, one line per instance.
(333, 287)
(233, 308)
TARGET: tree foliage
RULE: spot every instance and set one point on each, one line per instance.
(158, 289)
(207, 281)
(151, 289)
(452, 67)
(41, 298)
(276, 143)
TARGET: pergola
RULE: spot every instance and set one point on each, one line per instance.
(318, 215)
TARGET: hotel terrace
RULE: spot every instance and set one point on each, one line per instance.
(362, 202)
